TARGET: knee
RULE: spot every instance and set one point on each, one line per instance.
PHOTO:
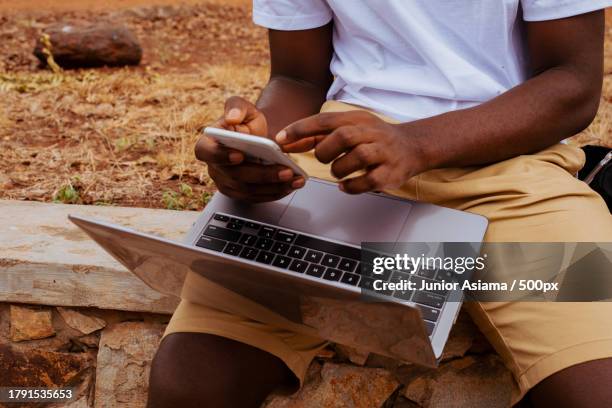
(180, 377)
(584, 385)
(191, 368)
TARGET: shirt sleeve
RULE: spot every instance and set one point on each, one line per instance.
(541, 10)
(291, 14)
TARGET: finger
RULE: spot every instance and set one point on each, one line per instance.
(362, 157)
(236, 110)
(342, 140)
(317, 125)
(270, 189)
(302, 145)
(373, 180)
(256, 197)
(259, 174)
(208, 150)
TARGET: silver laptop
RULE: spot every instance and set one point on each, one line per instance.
(301, 258)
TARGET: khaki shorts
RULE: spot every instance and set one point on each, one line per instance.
(526, 198)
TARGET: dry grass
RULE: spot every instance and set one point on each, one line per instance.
(126, 136)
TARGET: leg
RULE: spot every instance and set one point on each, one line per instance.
(581, 386)
(192, 368)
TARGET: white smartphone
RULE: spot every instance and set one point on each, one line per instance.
(256, 149)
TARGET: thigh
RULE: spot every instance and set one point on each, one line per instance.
(190, 368)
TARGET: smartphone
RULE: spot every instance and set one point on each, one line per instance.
(256, 149)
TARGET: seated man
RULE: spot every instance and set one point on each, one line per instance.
(458, 103)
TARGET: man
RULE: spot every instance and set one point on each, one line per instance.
(459, 103)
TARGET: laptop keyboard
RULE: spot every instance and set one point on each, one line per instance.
(320, 258)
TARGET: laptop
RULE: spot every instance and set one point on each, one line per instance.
(301, 258)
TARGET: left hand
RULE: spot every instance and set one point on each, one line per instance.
(354, 141)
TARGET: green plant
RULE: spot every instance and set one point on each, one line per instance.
(67, 194)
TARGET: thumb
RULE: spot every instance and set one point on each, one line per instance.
(236, 110)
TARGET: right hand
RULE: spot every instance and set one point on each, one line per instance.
(233, 176)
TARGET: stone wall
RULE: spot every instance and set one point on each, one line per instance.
(106, 355)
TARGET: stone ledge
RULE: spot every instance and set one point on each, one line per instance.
(45, 259)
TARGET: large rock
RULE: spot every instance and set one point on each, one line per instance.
(30, 323)
(82, 322)
(340, 386)
(91, 46)
(124, 363)
(473, 381)
(38, 368)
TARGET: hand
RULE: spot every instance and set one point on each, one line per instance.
(233, 176)
(357, 141)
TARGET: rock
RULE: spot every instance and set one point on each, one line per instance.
(5, 181)
(84, 323)
(461, 338)
(341, 386)
(355, 356)
(37, 368)
(124, 361)
(90, 46)
(30, 324)
(480, 381)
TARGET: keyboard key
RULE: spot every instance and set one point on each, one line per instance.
(252, 225)
(280, 248)
(281, 261)
(248, 253)
(265, 257)
(315, 270)
(222, 233)
(429, 313)
(221, 217)
(384, 275)
(429, 326)
(329, 247)
(296, 252)
(237, 221)
(211, 243)
(285, 236)
(232, 249)
(264, 243)
(248, 239)
(235, 224)
(446, 275)
(418, 283)
(332, 274)
(428, 299)
(398, 277)
(350, 279)
(330, 260)
(266, 232)
(298, 266)
(427, 273)
(314, 256)
(347, 265)
(366, 283)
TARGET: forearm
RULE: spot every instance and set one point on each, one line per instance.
(285, 100)
(539, 113)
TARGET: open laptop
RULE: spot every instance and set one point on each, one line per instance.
(301, 258)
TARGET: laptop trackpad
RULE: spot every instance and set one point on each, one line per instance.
(321, 209)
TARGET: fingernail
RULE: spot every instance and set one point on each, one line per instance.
(285, 174)
(235, 157)
(299, 183)
(281, 137)
(341, 187)
(233, 113)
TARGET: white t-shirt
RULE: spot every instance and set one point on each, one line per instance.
(411, 59)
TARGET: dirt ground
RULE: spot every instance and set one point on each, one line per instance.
(125, 136)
